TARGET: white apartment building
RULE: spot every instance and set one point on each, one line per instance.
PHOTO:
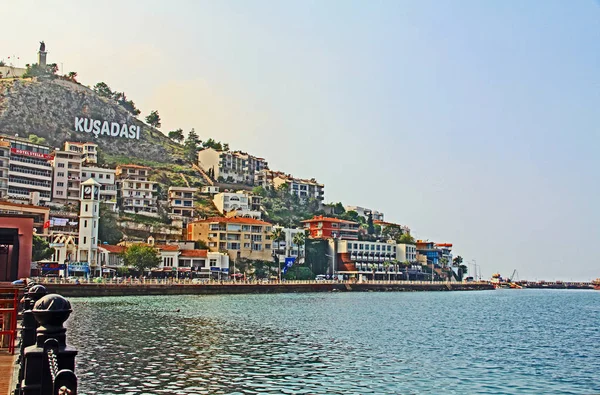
(4, 167)
(30, 169)
(287, 248)
(231, 166)
(74, 165)
(243, 204)
(181, 201)
(107, 180)
(303, 188)
(364, 212)
(88, 151)
(66, 178)
(407, 252)
(137, 193)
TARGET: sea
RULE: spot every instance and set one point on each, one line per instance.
(478, 342)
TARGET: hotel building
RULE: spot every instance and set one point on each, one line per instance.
(4, 167)
(240, 237)
(29, 169)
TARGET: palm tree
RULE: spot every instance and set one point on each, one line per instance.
(407, 264)
(299, 240)
(278, 235)
(372, 267)
(386, 266)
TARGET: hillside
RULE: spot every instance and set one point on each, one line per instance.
(48, 108)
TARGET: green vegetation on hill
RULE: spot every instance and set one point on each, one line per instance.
(284, 208)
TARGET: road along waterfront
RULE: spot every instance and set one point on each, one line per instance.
(489, 342)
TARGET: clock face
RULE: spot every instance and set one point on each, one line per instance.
(87, 190)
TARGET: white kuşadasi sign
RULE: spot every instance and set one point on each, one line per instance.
(102, 128)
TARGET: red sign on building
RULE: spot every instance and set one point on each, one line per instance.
(31, 153)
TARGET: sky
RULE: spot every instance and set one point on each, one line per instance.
(472, 122)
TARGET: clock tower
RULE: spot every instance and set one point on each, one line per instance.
(88, 224)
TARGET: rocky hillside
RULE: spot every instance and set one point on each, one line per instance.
(49, 108)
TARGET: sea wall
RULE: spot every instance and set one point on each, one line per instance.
(83, 290)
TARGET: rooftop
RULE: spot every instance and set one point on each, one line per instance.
(6, 203)
(320, 218)
(194, 253)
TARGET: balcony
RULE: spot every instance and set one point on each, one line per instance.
(24, 172)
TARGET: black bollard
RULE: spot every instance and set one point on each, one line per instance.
(51, 311)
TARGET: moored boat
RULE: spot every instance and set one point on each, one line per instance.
(596, 284)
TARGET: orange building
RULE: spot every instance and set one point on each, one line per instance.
(241, 237)
(321, 227)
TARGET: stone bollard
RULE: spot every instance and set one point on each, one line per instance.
(51, 311)
(28, 325)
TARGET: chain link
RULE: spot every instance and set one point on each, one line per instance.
(53, 364)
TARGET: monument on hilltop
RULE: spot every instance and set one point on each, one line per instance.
(42, 54)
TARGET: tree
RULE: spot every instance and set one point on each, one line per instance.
(72, 76)
(176, 135)
(2, 64)
(107, 226)
(386, 266)
(277, 236)
(153, 119)
(141, 257)
(370, 226)
(41, 249)
(299, 239)
(35, 70)
(406, 238)
(338, 208)
(128, 105)
(103, 90)
(191, 146)
(36, 139)
(217, 145)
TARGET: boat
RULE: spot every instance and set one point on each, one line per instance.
(596, 284)
(499, 282)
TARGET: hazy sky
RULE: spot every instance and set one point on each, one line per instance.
(472, 122)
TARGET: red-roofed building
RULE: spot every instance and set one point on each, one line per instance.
(241, 237)
(321, 227)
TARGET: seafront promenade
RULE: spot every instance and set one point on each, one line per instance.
(188, 287)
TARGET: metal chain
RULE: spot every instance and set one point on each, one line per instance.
(53, 364)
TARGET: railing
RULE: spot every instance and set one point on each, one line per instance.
(47, 364)
(9, 302)
(206, 281)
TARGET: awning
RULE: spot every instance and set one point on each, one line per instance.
(185, 269)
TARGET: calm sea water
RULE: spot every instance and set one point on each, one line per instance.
(490, 342)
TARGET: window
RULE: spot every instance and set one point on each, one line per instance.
(94, 224)
(247, 237)
(213, 262)
(267, 246)
(85, 223)
(108, 176)
(101, 176)
(177, 201)
(84, 239)
(257, 247)
(61, 165)
(86, 207)
(246, 245)
(62, 174)
(93, 175)
(60, 184)
(59, 193)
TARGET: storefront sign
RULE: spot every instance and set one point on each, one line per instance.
(105, 128)
(38, 155)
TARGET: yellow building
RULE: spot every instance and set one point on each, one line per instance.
(240, 237)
